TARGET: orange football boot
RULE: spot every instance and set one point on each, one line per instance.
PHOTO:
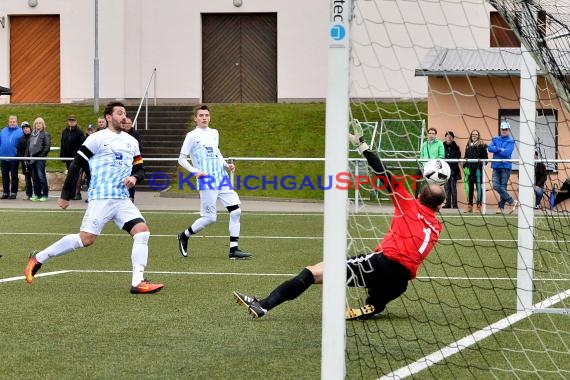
(31, 269)
(146, 287)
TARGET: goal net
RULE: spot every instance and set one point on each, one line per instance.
(491, 299)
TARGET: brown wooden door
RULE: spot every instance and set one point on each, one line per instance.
(34, 59)
(239, 55)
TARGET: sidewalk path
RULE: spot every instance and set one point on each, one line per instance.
(176, 202)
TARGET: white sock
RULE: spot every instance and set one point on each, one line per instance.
(139, 256)
(235, 225)
(201, 223)
(64, 245)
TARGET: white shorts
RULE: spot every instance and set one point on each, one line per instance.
(101, 211)
(208, 200)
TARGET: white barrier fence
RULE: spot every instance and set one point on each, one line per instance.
(357, 169)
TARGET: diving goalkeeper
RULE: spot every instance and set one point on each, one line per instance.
(385, 272)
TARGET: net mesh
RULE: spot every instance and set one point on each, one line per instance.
(455, 66)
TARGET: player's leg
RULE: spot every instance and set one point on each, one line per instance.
(388, 289)
(5, 165)
(360, 273)
(96, 216)
(14, 178)
(479, 186)
(286, 291)
(129, 218)
(385, 280)
(208, 215)
(230, 200)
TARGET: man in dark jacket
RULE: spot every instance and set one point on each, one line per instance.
(128, 124)
(452, 151)
(540, 175)
(71, 139)
(22, 150)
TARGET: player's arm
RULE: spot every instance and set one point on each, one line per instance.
(219, 154)
(81, 161)
(138, 169)
(185, 152)
(183, 161)
(228, 166)
(378, 167)
(493, 148)
(137, 172)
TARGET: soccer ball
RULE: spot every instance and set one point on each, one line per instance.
(436, 171)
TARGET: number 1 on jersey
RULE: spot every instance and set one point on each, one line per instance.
(427, 235)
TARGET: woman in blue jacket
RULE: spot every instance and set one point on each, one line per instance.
(502, 147)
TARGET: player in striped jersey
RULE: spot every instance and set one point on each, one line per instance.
(113, 159)
(210, 170)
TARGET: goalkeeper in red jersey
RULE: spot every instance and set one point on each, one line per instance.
(385, 273)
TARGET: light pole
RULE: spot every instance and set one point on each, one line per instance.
(96, 61)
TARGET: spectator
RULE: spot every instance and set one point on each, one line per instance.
(128, 127)
(452, 151)
(430, 149)
(39, 146)
(475, 150)
(101, 124)
(9, 138)
(71, 139)
(85, 178)
(502, 147)
(539, 181)
(23, 151)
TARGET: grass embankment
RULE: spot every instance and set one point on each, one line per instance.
(247, 130)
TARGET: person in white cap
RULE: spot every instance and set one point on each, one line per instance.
(502, 147)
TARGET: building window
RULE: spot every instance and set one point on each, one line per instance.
(546, 133)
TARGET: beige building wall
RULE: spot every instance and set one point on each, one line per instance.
(136, 36)
(461, 104)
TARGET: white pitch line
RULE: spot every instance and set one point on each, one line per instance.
(187, 273)
(455, 347)
(429, 278)
(421, 278)
(261, 237)
(45, 274)
(258, 237)
(169, 236)
(161, 212)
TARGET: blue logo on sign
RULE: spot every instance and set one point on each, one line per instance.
(338, 32)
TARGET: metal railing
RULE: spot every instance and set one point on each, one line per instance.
(144, 100)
